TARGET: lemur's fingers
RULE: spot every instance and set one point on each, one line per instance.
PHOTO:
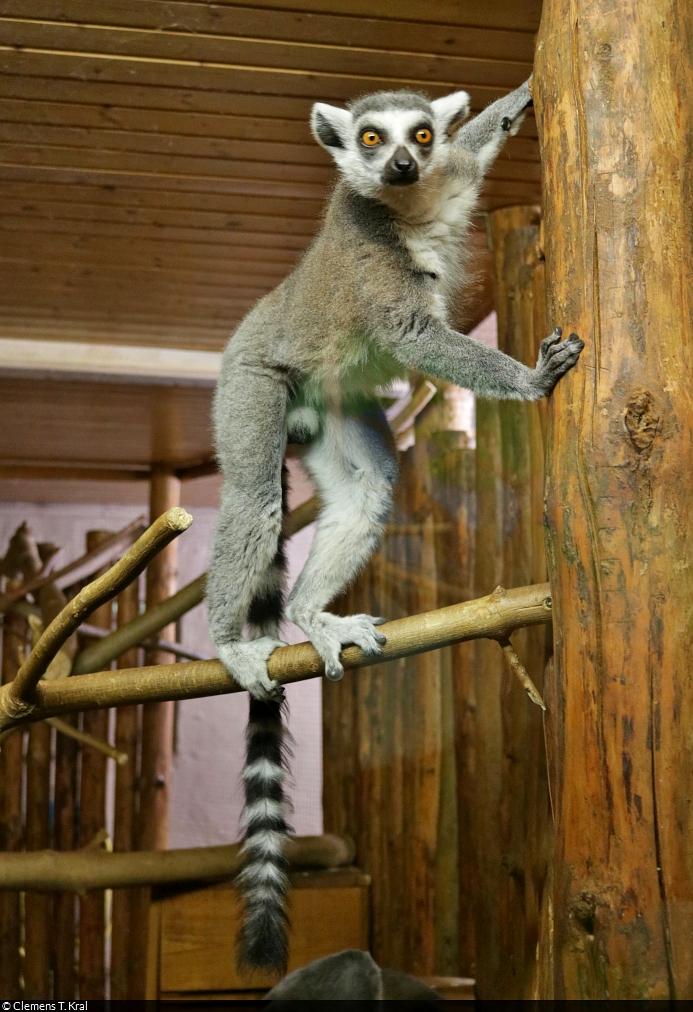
(556, 357)
(329, 633)
(550, 340)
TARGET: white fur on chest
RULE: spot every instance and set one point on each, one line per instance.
(434, 244)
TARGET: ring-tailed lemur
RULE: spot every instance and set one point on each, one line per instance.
(368, 300)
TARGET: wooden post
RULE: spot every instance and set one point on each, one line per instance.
(126, 741)
(37, 960)
(488, 671)
(157, 723)
(63, 928)
(614, 98)
(92, 819)
(157, 730)
(13, 639)
(513, 823)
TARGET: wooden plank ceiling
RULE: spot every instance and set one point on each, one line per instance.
(157, 174)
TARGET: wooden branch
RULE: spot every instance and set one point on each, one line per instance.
(81, 870)
(405, 418)
(63, 727)
(518, 668)
(18, 695)
(78, 569)
(98, 655)
(493, 616)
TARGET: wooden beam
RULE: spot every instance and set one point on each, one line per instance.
(521, 14)
(619, 261)
(232, 51)
(380, 32)
(83, 870)
(131, 196)
(225, 79)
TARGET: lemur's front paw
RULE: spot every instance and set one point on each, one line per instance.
(246, 662)
(329, 633)
(556, 357)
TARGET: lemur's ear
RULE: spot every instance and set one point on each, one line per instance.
(451, 111)
(330, 126)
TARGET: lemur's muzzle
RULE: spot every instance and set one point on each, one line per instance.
(401, 170)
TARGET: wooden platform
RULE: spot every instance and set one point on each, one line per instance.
(192, 934)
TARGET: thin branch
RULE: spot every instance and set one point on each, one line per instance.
(98, 655)
(69, 731)
(494, 617)
(177, 650)
(18, 694)
(518, 668)
(78, 569)
(80, 870)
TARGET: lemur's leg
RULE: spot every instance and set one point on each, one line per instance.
(244, 579)
(354, 468)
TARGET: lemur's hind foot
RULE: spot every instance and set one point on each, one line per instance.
(246, 662)
(330, 633)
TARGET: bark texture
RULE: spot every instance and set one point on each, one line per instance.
(614, 98)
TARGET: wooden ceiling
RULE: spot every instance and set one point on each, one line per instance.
(157, 174)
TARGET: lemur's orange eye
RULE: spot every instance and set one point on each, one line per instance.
(424, 135)
(370, 138)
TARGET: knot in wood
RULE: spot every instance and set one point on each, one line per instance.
(13, 708)
(583, 908)
(604, 51)
(641, 420)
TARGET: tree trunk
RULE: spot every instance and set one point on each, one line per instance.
(614, 96)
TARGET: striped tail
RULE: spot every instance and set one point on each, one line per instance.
(264, 881)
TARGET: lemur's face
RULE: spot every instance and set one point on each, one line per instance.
(390, 139)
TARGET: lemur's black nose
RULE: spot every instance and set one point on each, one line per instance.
(401, 169)
(402, 164)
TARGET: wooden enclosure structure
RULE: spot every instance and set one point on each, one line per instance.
(161, 149)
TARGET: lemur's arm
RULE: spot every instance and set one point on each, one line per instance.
(485, 135)
(423, 342)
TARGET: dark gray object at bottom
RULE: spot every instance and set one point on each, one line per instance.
(351, 975)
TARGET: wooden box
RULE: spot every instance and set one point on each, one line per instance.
(192, 933)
